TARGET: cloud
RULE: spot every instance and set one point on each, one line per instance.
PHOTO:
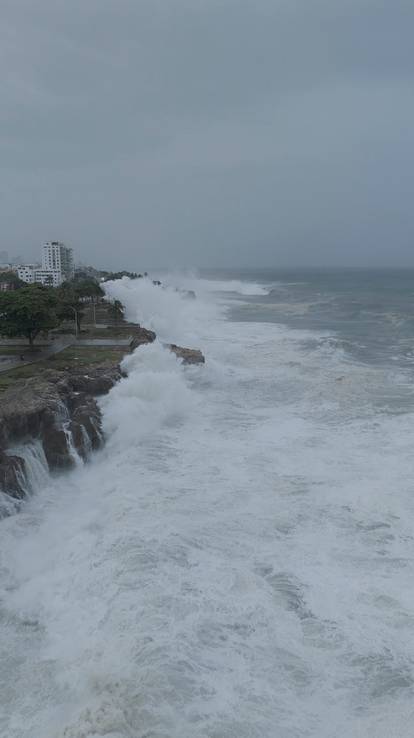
(208, 132)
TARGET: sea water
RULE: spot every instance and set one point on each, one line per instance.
(237, 562)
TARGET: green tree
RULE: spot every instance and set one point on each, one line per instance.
(28, 311)
(88, 288)
(69, 305)
(109, 276)
(12, 278)
(116, 311)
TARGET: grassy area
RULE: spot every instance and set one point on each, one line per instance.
(17, 350)
(123, 330)
(72, 357)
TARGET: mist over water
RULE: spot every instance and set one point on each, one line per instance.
(237, 562)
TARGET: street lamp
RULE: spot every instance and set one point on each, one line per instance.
(76, 320)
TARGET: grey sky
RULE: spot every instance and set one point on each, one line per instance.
(209, 132)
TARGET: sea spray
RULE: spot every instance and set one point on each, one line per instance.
(36, 467)
(153, 394)
(235, 562)
(163, 309)
(32, 475)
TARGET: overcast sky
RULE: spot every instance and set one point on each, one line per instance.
(209, 132)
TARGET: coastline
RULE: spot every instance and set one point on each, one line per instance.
(57, 410)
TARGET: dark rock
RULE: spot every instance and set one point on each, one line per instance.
(88, 417)
(80, 440)
(95, 381)
(12, 476)
(189, 356)
(59, 409)
(56, 447)
(141, 336)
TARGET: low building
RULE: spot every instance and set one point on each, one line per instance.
(26, 273)
(33, 274)
(48, 277)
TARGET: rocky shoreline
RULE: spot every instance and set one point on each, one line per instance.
(59, 410)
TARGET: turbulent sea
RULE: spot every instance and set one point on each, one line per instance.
(238, 561)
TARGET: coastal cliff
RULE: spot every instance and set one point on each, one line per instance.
(58, 409)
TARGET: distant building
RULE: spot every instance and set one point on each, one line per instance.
(33, 274)
(26, 273)
(4, 257)
(56, 257)
(57, 266)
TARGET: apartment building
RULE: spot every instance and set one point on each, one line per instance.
(33, 273)
(57, 266)
(58, 257)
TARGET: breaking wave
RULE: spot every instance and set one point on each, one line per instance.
(235, 563)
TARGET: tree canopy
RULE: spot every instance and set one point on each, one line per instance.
(84, 288)
(28, 311)
(12, 278)
(69, 304)
(110, 276)
(116, 310)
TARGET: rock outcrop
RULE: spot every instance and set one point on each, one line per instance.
(12, 475)
(189, 356)
(57, 408)
(140, 336)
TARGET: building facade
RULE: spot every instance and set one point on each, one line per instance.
(58, 257)
(33, 274)
(26, 273)
(57, 266)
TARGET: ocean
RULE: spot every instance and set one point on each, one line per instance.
(238, 561)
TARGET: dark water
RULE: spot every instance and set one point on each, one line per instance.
(369, 313)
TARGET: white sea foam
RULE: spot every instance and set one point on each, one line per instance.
(163, 309)
(236, 561)
(193, 281)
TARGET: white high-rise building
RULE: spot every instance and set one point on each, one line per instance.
(56, 257)
(57, 266)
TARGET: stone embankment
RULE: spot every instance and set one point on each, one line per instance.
(59, 410)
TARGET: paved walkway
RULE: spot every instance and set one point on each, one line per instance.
(45, 351)
(104, 341)
(56, 347)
